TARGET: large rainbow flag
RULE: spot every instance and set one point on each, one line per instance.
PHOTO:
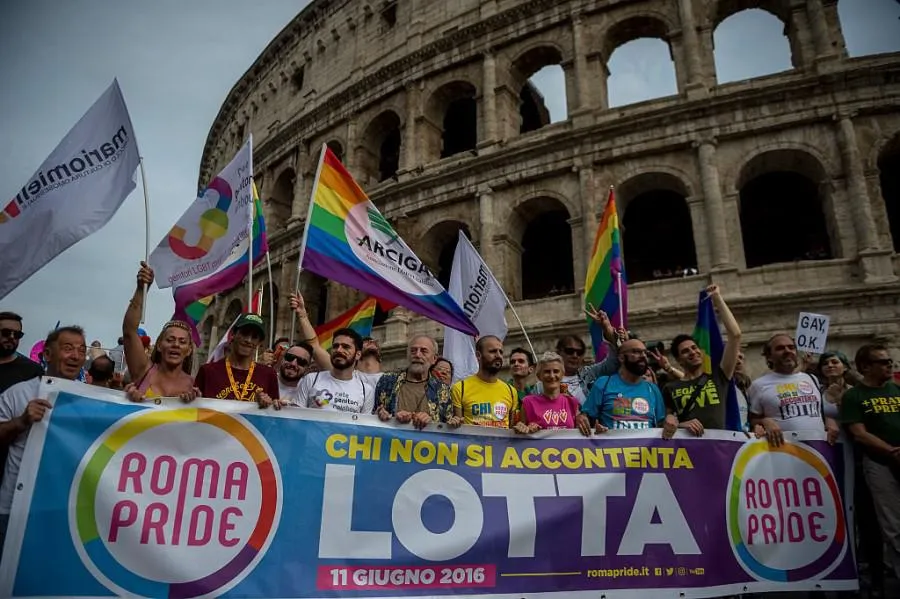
(348, 240)
(192, 299)
(360, 318)
(709, 339)
(605, 286)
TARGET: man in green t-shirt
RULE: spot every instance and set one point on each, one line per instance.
(872, 412)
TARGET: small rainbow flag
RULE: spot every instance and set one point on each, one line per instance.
(349, 241)
(359, 318)
(709, 339)
(192, 299)
(605, 279)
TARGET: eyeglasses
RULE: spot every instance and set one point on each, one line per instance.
(291, 358)
(573, 351)
(882, 362)
(17, 335)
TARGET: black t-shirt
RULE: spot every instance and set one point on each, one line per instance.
(709, 408)
(19, 370)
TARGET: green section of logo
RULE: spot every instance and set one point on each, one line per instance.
(380, 224)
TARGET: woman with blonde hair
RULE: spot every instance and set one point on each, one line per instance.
(166, 372)
(550, 409)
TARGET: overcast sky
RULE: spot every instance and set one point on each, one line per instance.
(177, 59)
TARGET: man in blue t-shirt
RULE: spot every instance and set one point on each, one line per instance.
(625, 400)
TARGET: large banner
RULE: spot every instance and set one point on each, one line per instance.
(220, 498)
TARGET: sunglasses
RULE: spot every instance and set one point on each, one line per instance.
(573, 351)
(17, 335)
(883, 362)
(291, 357)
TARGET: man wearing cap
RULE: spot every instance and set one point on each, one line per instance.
(238, 376)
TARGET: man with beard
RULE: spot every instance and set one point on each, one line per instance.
(785, 399)
(21, 406)
(342, 387)
(698, 399)
(292, 366)
(626, 400)
(14, 368)
(370, 360)
(482, 399)
(412, 395)
(238, 376)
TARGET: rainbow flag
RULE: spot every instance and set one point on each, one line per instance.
(349, 241)
(709, 339)
(359, 318)
(192, 299)
(606, 276)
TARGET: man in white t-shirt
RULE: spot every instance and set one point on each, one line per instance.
(785, 400)
(293, 365)
(341, 388)
(21, 407)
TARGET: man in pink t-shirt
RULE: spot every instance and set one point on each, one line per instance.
(551, 409)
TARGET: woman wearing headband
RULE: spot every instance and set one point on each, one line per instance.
(167, 371)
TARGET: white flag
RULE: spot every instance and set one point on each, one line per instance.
(218, 220)
(219, 352)
(473, 286)
(77, 189)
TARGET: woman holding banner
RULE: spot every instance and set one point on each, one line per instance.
(167, 372)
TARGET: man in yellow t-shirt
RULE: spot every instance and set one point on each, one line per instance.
(483, 399)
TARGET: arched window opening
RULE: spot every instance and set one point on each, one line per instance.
(640, 70)
(658, 236)
(440, 247)
(281, 200)
(235, 307)
(779, 199)
(336, 147)
(381, 315)
(379, 153)
(451, 121)
(889, 168)
(869, 28)
(460, 124)
(753, 32)
(547, 266)
(542, 91)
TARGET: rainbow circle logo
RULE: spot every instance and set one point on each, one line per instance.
(176, 503)
(785, 515)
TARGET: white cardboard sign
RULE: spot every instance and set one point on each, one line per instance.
(812, 332)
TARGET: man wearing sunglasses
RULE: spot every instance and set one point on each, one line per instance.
(294, 363)
(14, 368)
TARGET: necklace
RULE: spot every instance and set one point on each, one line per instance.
(238, 394)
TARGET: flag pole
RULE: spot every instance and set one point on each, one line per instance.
(619, 294)
(312, 203)
(271, 302)
(146, 235)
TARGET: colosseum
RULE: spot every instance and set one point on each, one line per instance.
(783, 189)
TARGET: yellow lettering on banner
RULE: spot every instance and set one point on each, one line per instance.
(528, 458)
(474, 456)
(649, 457)
(571, 458)
(666, 453)
(510, 459)
(331, 446)
(401, 450)
(594, 457)
(358, 447)
(682, 459)
(632, 457)
(550, 458)
(426, 452)
(613, 453)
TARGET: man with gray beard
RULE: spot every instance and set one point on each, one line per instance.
(411, 395)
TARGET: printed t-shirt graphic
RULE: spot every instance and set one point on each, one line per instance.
(484, 404)
(709, 408)
(879, 409)
(792, 400)
(356, 395)
(621, 405)
(213, 381)
(549, 413)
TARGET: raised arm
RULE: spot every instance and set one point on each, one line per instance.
(733, 343)
(135, 357)
(308, 333)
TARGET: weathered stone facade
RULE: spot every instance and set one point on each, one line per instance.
(393, 86)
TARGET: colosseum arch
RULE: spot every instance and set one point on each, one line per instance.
(378, 154)
(783, 194)
(634, 29)
(451, 121)
(728, 16)
(234, 309)
(533, 112)
(315, 295)
(206, 340)
(540, 224)
(281, 198)
(657, 231)
(438, 246)
(889, 179)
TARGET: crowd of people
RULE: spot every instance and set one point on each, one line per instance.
(632, 388)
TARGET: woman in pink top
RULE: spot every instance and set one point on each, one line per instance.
(552, 409)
